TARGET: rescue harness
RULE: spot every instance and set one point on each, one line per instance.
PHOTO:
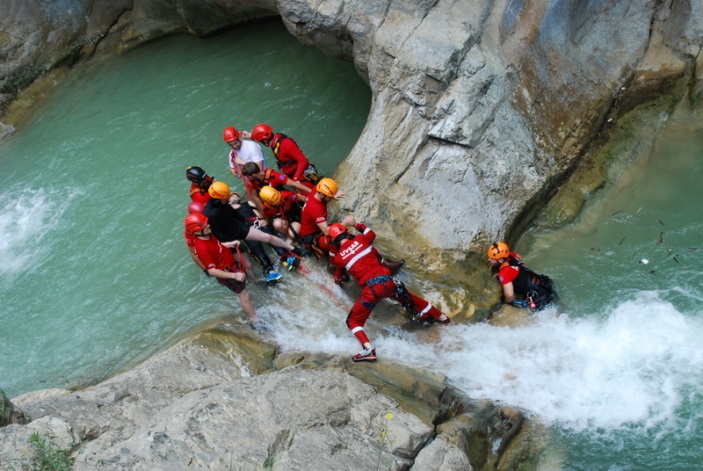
(538, 289)
(310, 172)
(401, 294)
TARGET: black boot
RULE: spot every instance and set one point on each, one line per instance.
(394, 267)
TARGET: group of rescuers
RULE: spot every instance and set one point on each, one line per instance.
(288, 211)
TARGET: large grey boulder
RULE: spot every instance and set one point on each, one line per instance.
(214, 402)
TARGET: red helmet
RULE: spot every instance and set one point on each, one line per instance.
(262, 132)
(195, 222)
(336, 230)
(324, 243)
(230, 134)
(196, 207)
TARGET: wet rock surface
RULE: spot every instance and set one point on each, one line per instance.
(209, 402)
(481, 112)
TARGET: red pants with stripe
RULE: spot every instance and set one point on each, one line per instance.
(371, 295)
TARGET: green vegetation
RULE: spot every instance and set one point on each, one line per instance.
(48, 456)
(385, 439)
(268, 464)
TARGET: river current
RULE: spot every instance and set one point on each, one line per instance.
(95, 276)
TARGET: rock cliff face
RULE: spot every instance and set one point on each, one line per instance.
(480, 109)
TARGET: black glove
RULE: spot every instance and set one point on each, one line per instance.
(342, 279)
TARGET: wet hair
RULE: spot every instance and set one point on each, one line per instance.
(249, 169)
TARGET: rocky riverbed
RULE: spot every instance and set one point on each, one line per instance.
(224, 399)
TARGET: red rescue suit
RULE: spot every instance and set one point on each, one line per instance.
(359, 259)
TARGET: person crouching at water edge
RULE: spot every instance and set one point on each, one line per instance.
(356, 255)
(220, 263)
(535, 290)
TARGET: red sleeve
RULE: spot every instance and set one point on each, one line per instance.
(190, 239)
(279, 178)
(338, 268)
(289, 199)
(293, 151)
(507, 274)
(368, 234)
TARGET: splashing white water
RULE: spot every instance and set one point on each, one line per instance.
(629, 369)
(28, 216)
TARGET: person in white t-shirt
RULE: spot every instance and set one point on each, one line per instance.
(242, 151)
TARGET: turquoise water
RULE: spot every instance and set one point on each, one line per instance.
(629, 277)
(94, 272)
(95, 276)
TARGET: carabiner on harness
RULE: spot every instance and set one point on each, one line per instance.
(530, 299)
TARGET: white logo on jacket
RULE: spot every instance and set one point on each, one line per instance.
(353, 247)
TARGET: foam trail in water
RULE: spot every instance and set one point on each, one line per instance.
(27, 217)
(629, 369)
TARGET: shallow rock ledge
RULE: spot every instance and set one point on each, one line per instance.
(203, 405)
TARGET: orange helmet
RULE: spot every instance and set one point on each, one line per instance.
(270, 195)
(261, 132)
(327, 187)
(498, 250)
(219, 190)
(195, 222)
(230, 134)
(196, 207)
(336, 230)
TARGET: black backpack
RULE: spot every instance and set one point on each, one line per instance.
(536, 288)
